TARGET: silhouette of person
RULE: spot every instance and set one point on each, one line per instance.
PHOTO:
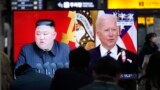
(77, 75)
(28, 79)
(106, 74)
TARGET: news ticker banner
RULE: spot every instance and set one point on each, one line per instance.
(75, 28)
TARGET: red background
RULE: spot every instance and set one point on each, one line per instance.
(24, 26)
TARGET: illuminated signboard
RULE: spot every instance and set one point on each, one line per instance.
(77, 4)
(146, 20)
(133, 4)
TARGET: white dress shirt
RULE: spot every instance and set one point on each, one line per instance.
(113, 51)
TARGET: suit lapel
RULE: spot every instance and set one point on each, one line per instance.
(97, 53)
(119, 49)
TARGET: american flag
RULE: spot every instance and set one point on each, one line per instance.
(128, 29)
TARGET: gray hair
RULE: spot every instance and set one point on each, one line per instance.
(105, 17)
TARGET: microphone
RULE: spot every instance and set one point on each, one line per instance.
(53, 67)
(47, 68)
(66, 65)
(39, 67)
(59, 65)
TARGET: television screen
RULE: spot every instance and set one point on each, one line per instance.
(75, 28)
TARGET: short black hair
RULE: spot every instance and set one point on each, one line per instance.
(107, 66)
(149, 36)
(79, 58)
(21, 69)
(47, 22)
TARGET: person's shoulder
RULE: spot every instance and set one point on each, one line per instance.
(61, 44)
(98, 86)
(62, 72)
(116, 87)
(43, 76)
(96, 49)
(27, 46)
(33, 74)
(88, 87)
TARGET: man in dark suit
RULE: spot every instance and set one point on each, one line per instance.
(128, 66)
(45, 54)
(108, 31)
(28, 79)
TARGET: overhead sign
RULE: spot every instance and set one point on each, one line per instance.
(75, 4)
(27, 4)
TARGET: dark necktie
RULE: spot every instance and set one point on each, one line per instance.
(108, 53)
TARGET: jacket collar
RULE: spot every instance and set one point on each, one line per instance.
(52, 52)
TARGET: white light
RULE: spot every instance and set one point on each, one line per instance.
(60, 5)
(66, 4)
(22, 2)
(35, 2)
(72, 4)
(22, 8)
(35, 7)
(14, 3)
(79, 4)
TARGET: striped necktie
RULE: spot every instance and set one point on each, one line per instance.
(108, 53)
